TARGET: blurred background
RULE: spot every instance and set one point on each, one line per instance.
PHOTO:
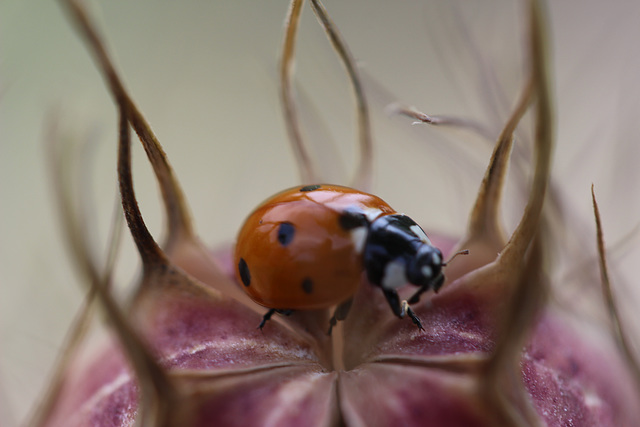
(205, 76)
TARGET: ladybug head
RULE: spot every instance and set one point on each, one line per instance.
(425, 267)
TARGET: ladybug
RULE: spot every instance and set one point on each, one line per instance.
(307, 247)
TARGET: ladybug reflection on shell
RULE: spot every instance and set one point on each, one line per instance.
(306, 248)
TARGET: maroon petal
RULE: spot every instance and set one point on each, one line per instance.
(391, 395)
(195, 331)
(279, 397)
(103, 393)
(456, 325)
(576, 380)
(97, 391)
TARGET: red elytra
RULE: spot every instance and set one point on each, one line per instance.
(322, 266)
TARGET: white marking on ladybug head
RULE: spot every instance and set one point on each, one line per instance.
(418, 231)
(436, 259)
(359, 237)
(426, 271)
(395, 275)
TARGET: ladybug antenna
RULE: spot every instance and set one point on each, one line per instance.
(462, 252)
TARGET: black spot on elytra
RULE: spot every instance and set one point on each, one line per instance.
(307, 286)
(245, 274)
(349, 220)
(310, 188)
(286, 230)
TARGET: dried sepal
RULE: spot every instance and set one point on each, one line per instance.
(490, 286)
(501, 384)
(485, 223)
(521, 238)
(154, 385)
(503, 272)
(74, 225)
(158, 394)
(183, 248)
(175, 313)
(203, 315)
(182, 245)
(617, 328)
(178, 217)
(484, 236)
(74, 219)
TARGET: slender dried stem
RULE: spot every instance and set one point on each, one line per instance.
(178, 217)
(528, 226)
(305, 165)
(157, 392)
(152, 256)
(607, 293)
(363, 175)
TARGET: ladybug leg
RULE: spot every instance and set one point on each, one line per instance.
(438, 282)
(266, 317)
(414, 318)
(340, 313)
(435, 284)
(270, 313)
(401, 308)
(394, 301)
(416, 297)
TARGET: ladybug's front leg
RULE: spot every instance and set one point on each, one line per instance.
(339, 314)
(266, 317)
(401, 308)
(270, 313)
(435, 284)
